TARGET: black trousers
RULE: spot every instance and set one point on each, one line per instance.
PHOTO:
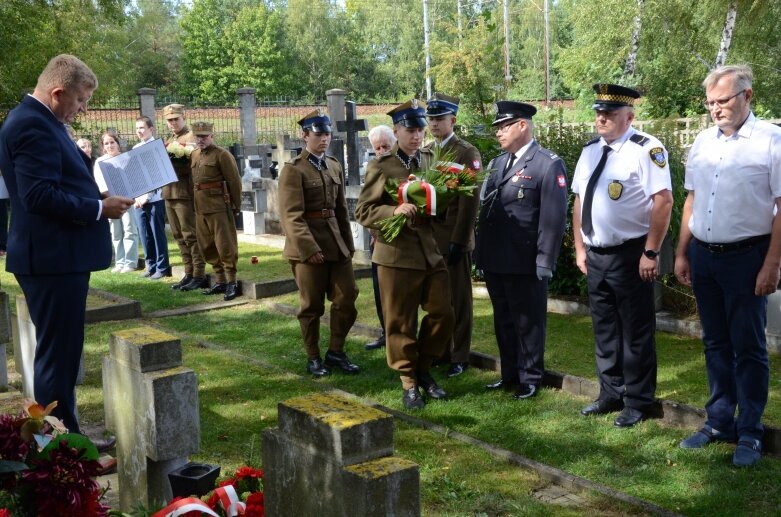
(520, 305)
(622, 312)
(57, 304)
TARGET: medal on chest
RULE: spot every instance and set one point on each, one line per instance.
(615, 189)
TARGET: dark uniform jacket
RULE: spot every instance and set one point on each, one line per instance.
(522, 222)
(302, 188)
(211, 166)
(415, 247)
(183, 188)
(458, 224)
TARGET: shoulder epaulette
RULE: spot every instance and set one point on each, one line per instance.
(383, 157)
(294, 159)
(639, 139)
(593, 141)
(332, 158)
(550, 154)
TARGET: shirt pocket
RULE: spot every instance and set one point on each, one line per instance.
(620, 170)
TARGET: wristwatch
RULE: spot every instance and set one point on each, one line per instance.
(651, 254)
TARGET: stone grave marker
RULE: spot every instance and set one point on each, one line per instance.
(5, 337)
(351, 126)
(331, 456)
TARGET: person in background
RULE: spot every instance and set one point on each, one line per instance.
(150, 216)
(455, 229)
(382, 140)
(319, 244)
(86, 146)
(123, 230)
(729, 252)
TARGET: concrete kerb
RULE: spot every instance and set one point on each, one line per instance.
(553, 475)
(120, 308)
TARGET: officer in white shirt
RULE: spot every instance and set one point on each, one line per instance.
(623, 201)
(729, 251)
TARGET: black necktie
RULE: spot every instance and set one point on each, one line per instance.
(510, 163)
(588, 197)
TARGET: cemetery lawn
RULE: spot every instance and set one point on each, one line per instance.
(643, 461)
(238, 396)
(570, 349)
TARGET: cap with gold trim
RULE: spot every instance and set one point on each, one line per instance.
(202, 128)
(511, 110)
(613, 96)
(440, 104)
(410, 114)
(316, 121)
(173, 111)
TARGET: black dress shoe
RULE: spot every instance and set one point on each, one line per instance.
(105, 444)
(412, 399)
(216, 289)
(629, 417)
(431, 387)
(602, 407)
(525, 391)
(316, 368)
(501, 384)
(456, 369)
(231, 292)
(184, 281)
(374, 345)
(341, 361)
(196, 282)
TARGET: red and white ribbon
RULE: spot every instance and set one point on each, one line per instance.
(182, 506)
(229, 500)
(428, 188)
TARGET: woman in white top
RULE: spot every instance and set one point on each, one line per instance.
(123, 231)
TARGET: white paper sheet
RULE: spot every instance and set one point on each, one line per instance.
(138, 171)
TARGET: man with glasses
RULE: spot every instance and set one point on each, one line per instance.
(620, 216)
(523, 213)
(729, 252)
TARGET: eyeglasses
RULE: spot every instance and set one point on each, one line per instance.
(502, 129)
(720, 102)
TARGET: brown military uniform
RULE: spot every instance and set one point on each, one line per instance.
(411, 273)
(457, 226)
(217, 194)
(180, 211)
(313, 213)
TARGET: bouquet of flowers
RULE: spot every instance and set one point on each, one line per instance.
(240, 494)
(430, 190)
(44, 470)
(178, 151)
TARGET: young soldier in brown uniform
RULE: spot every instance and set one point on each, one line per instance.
(217, 196)
(319, 244)
(411, 270)
(179, 203)
(455, 230)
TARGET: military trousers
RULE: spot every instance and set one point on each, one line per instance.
(181, 219)
(403, 291)
(334, 280)
(218, 242)
(461, 296)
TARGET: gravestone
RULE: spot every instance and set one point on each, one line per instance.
(350, 126)
(151, 405)
(360, 233)
(254, 207)
(5, 338)
(331, 456)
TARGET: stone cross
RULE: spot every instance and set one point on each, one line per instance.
(331, 456)
(151, 404)
(351, 126)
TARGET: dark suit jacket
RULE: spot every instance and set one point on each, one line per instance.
(54, 197)
(522, 225)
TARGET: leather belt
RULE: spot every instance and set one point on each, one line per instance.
(325, 213)
(613, 249)
(204, 186)
(732, 246)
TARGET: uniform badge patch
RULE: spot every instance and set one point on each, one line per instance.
(615, 189)
(562, 181)
(476, 165)
(657, 156)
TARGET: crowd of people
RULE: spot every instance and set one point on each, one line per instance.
(729, 247)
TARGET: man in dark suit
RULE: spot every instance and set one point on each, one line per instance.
(522, 217)
(59, 232)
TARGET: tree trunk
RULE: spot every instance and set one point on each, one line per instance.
(726, 35)
(631, 59)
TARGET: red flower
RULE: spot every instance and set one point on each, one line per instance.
(12, 446)
(5, 513)
(255, 505)
(248, 472)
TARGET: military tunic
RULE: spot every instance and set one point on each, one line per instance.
(412, 273)
(522, 220)
(179, 208)
(457, 226)
(215, 177)
(313, 214)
